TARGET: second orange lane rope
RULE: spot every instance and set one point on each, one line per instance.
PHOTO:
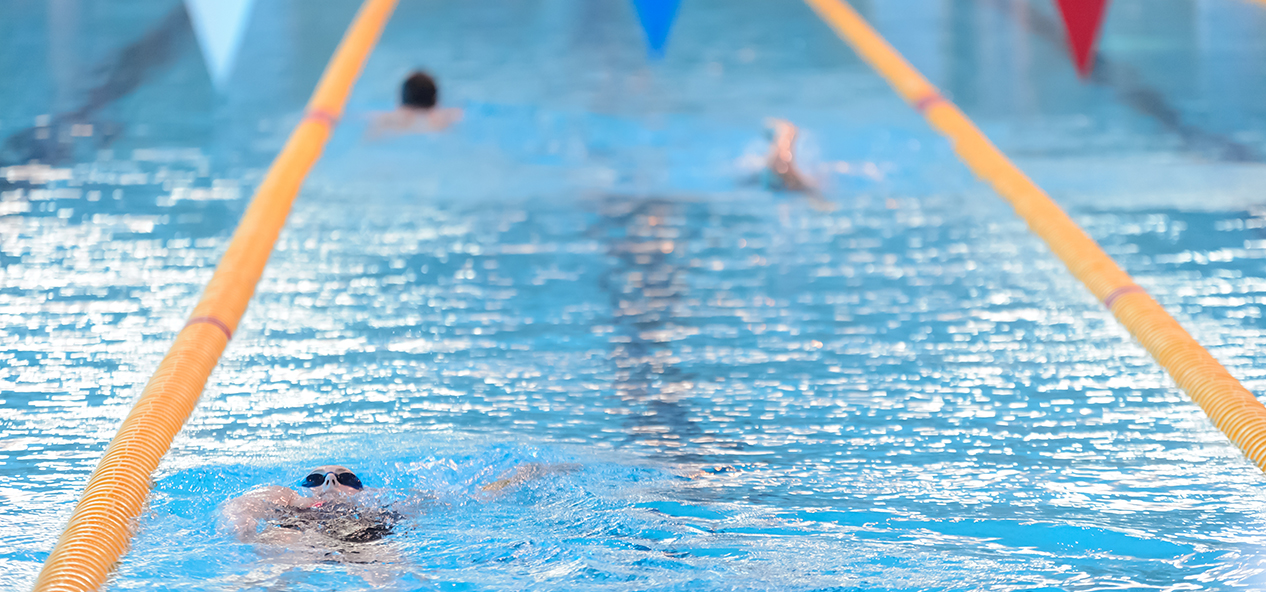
(1233, 409)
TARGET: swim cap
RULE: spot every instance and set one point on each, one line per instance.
(419, 91)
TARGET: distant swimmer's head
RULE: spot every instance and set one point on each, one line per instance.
(332, 479)
(419, 91)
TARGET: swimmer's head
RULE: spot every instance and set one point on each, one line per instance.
(419, 91)
(329, 479)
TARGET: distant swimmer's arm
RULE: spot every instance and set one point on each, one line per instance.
(242, 514)
(384, 123)
(413, 121)
(440, 118)
(526, 472)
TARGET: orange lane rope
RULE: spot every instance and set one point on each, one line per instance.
(101, 526)
(1233, 409)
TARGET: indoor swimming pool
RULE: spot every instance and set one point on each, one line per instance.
(750, 390)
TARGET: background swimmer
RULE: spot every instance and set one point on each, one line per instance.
(782, 173)
(780, 163)
(419, 110)
(777, 165)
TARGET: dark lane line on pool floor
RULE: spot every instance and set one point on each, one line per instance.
(52, 142)
(1130, 87)
(644, 239)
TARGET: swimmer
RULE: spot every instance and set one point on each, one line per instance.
(419, 110)
(781, 160)
(338, 511)
(330, 516)
(781, 171)
(340, 521)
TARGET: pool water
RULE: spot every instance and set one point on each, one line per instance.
(907, 392)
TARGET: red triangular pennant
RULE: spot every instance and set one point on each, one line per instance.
(1082, 19)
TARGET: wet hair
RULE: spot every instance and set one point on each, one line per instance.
(419, 91)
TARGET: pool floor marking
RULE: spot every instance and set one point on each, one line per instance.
(101, 526)
(1233, 409)
(221, 325)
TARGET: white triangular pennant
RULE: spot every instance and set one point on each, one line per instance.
(219, 25)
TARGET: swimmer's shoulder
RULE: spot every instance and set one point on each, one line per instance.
(441, 118)
(406, 120)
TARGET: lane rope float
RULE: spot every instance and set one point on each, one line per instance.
(102, 523)
(1233, 409)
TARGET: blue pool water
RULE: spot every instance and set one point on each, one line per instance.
(905, 393)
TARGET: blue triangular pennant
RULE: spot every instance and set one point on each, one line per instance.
(656, 17)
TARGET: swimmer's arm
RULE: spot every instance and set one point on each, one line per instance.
(242, 514)
(383, 123)
(441, 118)
(527, 472)
(411, 121)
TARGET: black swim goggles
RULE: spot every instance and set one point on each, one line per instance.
(318, 479)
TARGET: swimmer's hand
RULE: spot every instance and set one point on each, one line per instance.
(527, 472)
